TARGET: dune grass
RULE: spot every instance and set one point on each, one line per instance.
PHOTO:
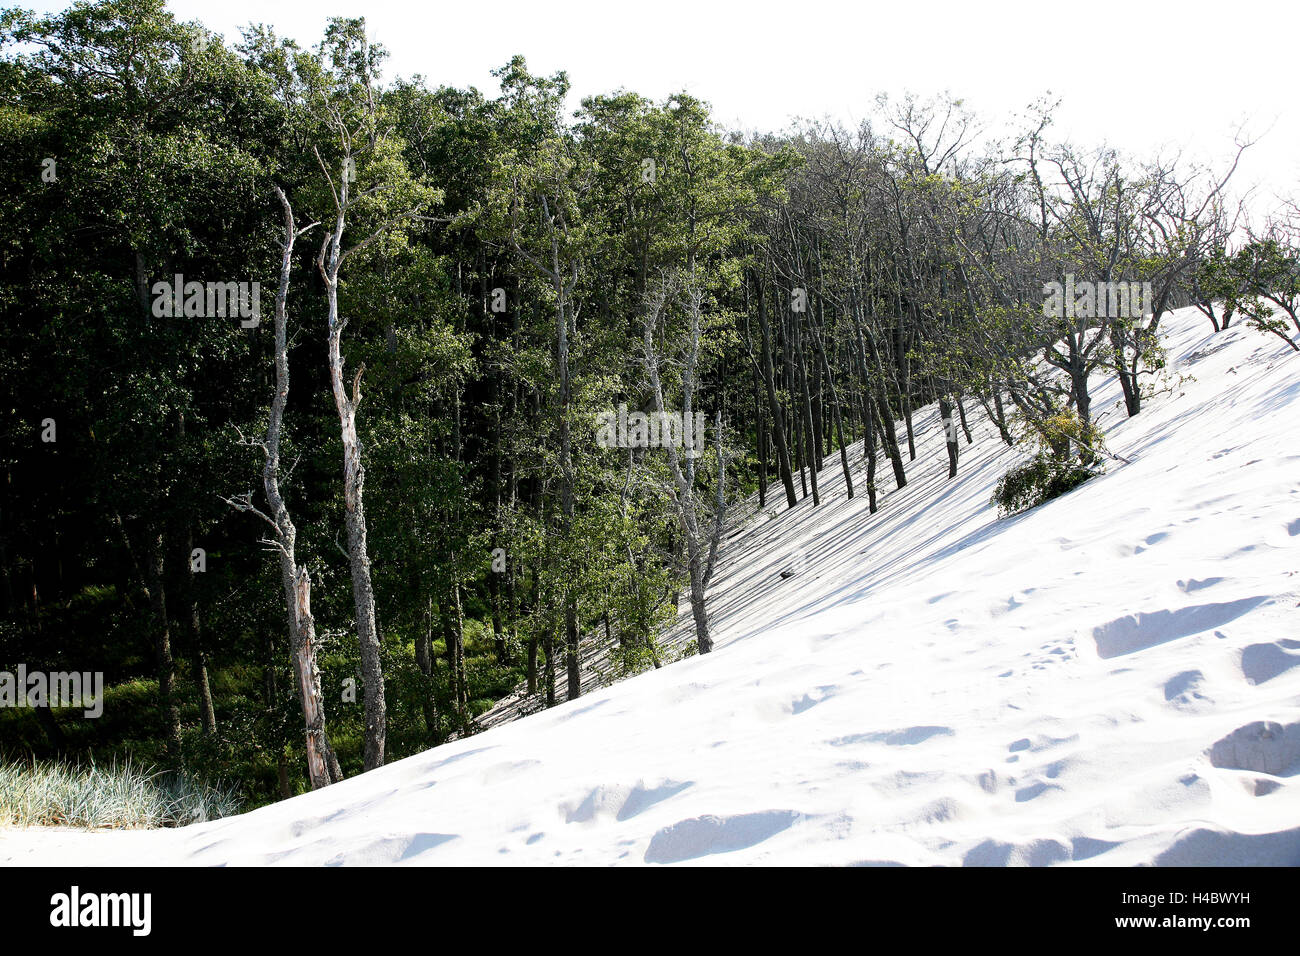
(122, 796)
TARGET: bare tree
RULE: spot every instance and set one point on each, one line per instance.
(328, 262)
(322, 765)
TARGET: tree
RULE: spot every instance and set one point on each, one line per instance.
(341, 84)
(322, 765)
(701, 531)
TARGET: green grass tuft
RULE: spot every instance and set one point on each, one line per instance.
(118, 797)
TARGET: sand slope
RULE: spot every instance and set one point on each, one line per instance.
(1113, 678)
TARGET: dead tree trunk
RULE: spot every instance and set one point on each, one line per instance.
(354, 475)
(322, 765)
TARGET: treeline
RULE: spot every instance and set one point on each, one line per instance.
(313, 524)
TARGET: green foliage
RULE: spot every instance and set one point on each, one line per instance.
(1036, 481)
(1065, 456)
(1260, 281)
(484, 226)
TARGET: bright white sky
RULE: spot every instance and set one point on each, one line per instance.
(1141, 75)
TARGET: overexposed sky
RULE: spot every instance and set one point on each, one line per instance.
(1142, 75)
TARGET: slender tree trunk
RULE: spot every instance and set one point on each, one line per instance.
(566, 478)
(270, 697)
(454, 637)
(548, 648)
(354, 511)
(965, 426)
(532, 635)
(819, 345)
(322, 765)
(905, 385)
(949, 434)
(425, 661)
(703, 640)
(817, 411)
(778, 419)
(701, 546)
(190, 613)
(998, 416)
(868, 418)
(885, 415)
(154, 566)
(760, 440)
(198, 656)
(805, 408)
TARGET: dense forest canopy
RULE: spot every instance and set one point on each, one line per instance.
(335, 407)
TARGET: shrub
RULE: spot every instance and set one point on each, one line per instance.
(1066, 456)
(1040, 479)
(632, 658)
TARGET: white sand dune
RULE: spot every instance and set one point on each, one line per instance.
(1111, 679)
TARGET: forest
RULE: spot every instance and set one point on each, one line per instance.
(336, 406)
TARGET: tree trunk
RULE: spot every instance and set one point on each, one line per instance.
(819, 345)
(703, 640)
(532, 635)
(884, 415)
(548, 646)
(778, 419)
(949, 435)
(965, 426)
(760, 441)
(354, 512)
(453, 632)
(812, 442)
(905, 386)
(319, 754)
(154, 567)
(322, 765)
(190, 614)
(198, 656)
(424, 660)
